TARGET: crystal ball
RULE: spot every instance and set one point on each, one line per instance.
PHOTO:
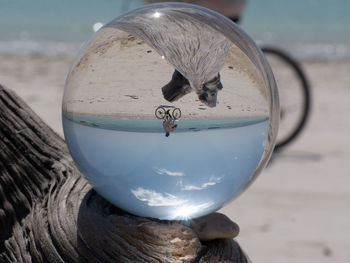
(170, 111)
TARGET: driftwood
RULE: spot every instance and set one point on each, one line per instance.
(49, 213)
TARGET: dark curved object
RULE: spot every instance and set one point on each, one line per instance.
(176, 88)
(295, 66)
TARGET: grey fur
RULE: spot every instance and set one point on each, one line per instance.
(196, 49)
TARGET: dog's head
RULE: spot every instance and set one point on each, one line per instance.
(209, 91)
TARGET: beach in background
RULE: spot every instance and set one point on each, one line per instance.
(306, 28)
(298, 209)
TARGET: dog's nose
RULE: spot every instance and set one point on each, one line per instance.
(208, 100)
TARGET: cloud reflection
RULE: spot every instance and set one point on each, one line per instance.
(212, 181)
(162, 171)
(157, 199)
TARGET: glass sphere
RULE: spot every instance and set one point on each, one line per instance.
(170, 111)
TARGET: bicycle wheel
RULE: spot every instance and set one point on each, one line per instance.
(176, 113)
(160, 112)
(294, 93)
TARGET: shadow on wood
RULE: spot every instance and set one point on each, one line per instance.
(49, 212)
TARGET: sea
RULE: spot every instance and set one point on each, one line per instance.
(305, 28)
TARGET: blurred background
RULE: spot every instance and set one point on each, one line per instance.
(298, 210)
(307, 28)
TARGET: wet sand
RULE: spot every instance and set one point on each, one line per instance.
(298, 208)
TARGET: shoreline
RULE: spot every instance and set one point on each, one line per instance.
(135, 117)
(155, 124)
(40, 80)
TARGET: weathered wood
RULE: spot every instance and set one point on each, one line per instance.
(49, 213)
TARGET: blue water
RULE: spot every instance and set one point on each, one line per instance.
(307, 28)
(188, 174)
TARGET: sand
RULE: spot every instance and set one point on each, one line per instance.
(121, 75)
(298, 209)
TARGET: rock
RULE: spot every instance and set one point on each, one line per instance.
(214, 226)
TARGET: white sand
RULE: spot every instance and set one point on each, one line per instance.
(298, 210)
(120, 75)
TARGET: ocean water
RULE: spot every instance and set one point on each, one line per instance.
(188, 174)
(306, 28)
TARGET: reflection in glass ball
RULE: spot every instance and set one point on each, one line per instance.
(170, 111)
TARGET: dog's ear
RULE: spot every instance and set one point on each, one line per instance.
(219, 87)
(214, 83)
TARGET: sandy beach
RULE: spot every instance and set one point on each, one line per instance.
(298, 209)
(122, 75)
